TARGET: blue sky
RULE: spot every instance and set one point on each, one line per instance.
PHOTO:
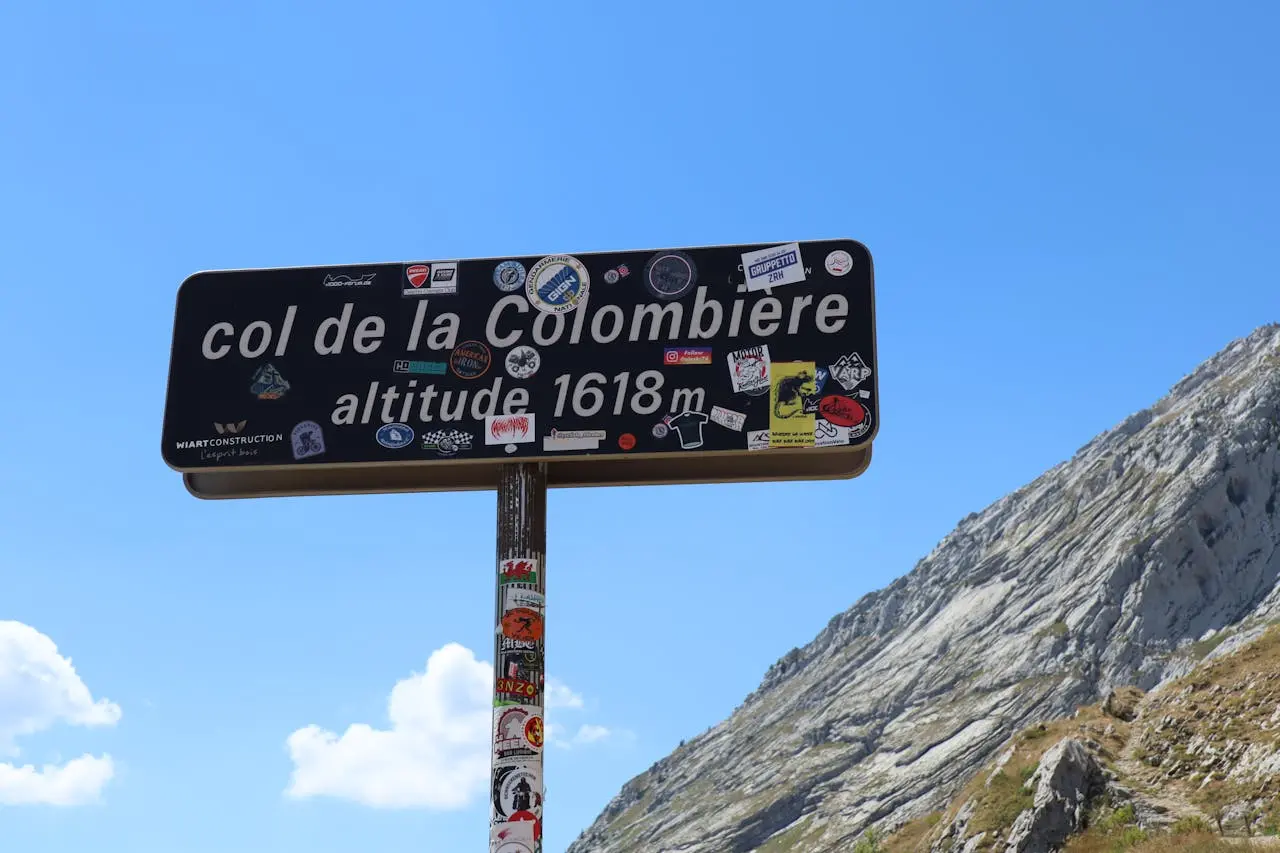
(1069, 208)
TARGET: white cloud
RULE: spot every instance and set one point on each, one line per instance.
(75, 783)
(560, 696)
(435, 755)
(586, 735)
(38, 689)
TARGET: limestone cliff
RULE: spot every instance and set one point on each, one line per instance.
(1111, 569)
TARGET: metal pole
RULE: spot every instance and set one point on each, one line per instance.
(515, 824)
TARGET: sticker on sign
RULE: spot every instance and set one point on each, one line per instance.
(509, 429)
(773, 267)
(728, 418)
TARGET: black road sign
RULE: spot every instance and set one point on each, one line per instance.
(710, 364)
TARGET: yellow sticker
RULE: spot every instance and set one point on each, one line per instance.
(790, 383)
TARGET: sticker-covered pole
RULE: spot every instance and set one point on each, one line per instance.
(515, 824)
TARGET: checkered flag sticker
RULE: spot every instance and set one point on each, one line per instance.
(446, 442)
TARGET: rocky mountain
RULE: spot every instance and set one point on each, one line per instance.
(1117, 567)
(1189, 767)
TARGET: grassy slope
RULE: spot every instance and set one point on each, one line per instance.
(1183, 753)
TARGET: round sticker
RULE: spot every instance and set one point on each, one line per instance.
(842, 411)
(557, 284)
(626, 441)
(516, 788)
(523, 362)
(839, 262)
(533, 731)
(670, 275)
(394, 436)
(470, 359)
(522, 623)
(509, 276)
(611, 277)
(660, 430)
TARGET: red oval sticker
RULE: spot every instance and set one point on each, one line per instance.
(842, 411)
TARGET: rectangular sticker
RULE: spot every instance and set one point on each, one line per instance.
(773, 267)
(573, 439)
(686, 355)
(518, 596)
(518, 570)
(431, 279)
(509, 429)
(728, 418)
(758, 439)
(789, 424)
(553, 444)
(749, 370)
(827, 434)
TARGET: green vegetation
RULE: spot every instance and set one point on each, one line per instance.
(1186, 741)
(1201, 650)
(1004, 799)
(869, 842)
(1057, 629)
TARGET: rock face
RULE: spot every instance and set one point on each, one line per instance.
(1068, 780)
(1114, 568)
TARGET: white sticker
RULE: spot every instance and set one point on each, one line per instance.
(827, 434)
(509, 429)
(758, 439)
(773, 267)
(839, 262)
(850, 371)
(749, 370)
(728, 418)
(522, 362)
(517, 731)
(587, 434)
(573, 439)
(517, 787)
(518, 596)
(552, 443)
(514, 836)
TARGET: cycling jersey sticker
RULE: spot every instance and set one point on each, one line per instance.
(308, 440)
(688, 425)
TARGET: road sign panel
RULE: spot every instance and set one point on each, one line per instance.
(677, 365)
